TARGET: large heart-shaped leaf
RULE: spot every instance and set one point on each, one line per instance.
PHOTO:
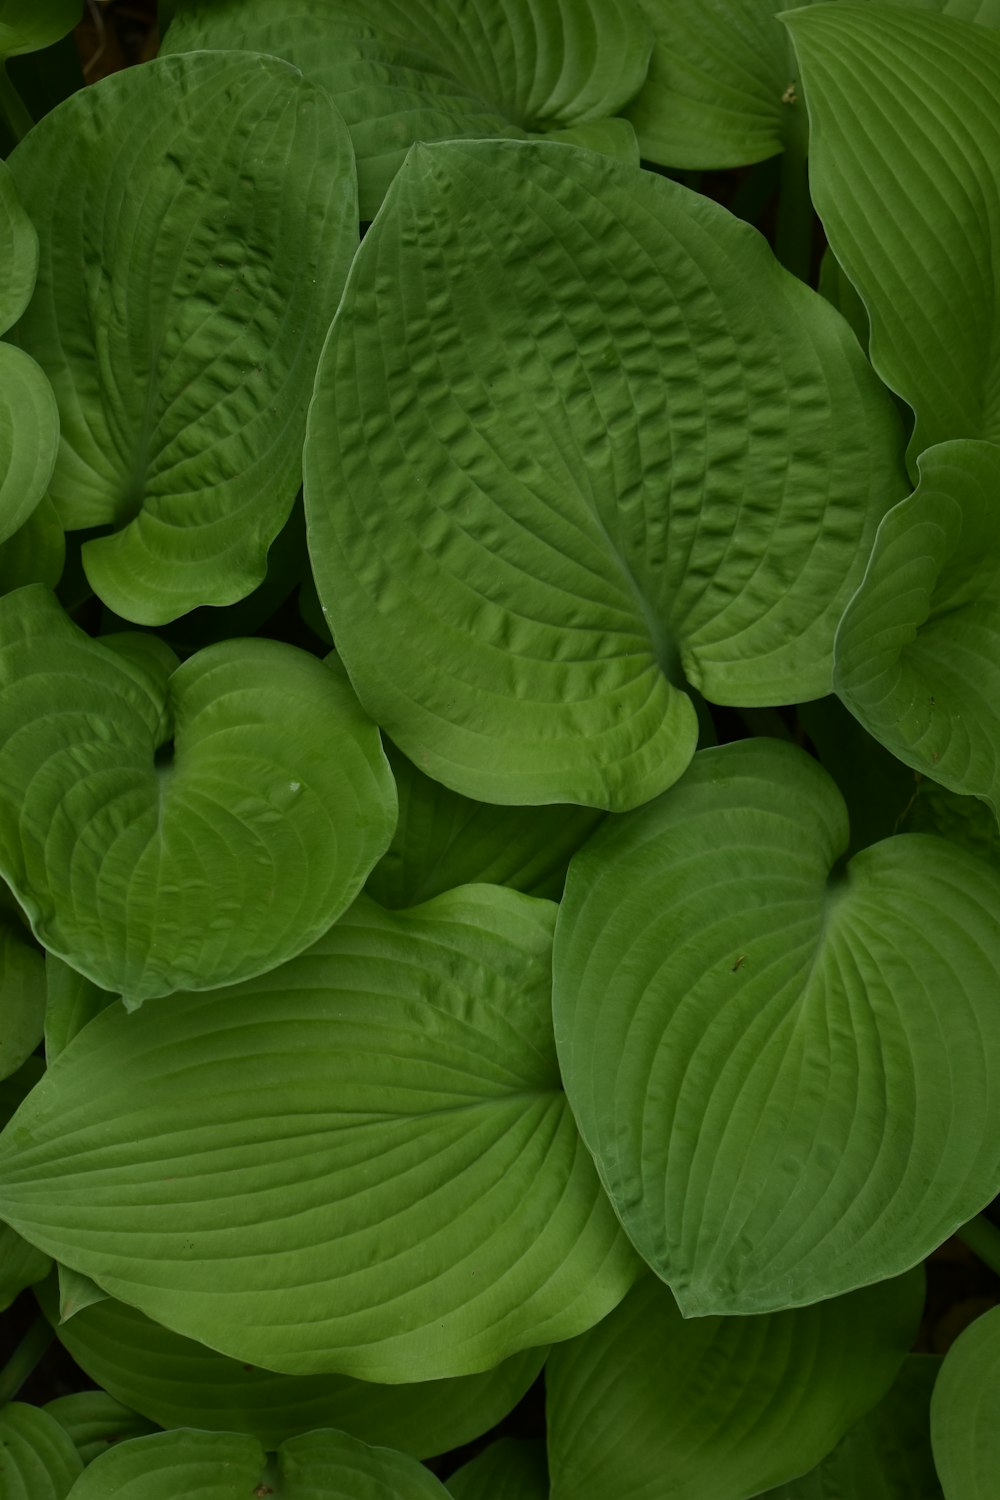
(425, 70)
(965, 1413)
(181, 1383)
(905, 173)
(180, 326)
(362, 1162)
(918, 649)
(788, 1070)
(323, 1465)
(537, 507)
(652, 1406)
(37, 1458)
(885, 1456)
(179, 827)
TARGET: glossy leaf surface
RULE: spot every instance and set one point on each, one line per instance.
(172, 825)
(537, 508)
(751, 1035)
(651, 1406)
(396, 1086)
(180, 326)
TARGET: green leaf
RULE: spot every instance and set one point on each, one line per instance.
(528, 550)
(29, 438)
(148, 868)
(965, 1412)
(443, 840)
(511, 1469)
(76, 1292)
(21, 1264)
(879, 792)
(398, 1079)
(918, 649)
(71, 1001)
(180, 1383)
(963, 820)
(26, 26)
(721, 86)
(36, 552)
(22, 995)
(37, 1458)
(95, 1421)
(752, 1035)
(652, 1406)
(229, 1466)
(18, 247)
(424, 70)
(905, 174)
(885, 1456)
(180, 327)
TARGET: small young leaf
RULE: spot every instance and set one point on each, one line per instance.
(652, 1406)
(965, 1413)
(235, 852)
(752, 1036)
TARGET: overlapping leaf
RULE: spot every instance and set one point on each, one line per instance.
(965, 1413)
(918, 650)
(22, 988)
(35, 553)
(181, 1383)
(95, 1421)
(576, 439)
(215, 864)
(786, 1069)
(651, 1406)
(229, 1466)
(37, 1458)
(362, 1162)
(905, 173)
(21, 1264)
(426, 70)
(180, 326)
(885, 1456)
(26, 26)
(509, 1469)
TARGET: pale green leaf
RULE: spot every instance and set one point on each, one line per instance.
(885, 1456)
(95, 1421)
(180, 326)
(29, 438)
(18, 246)
(191, 827)
(965, 1412)
(37, 1458)
(180, 1383)
(905, 173)
(652, 1406)
(395, 1085)
(538, 507)
(424, 70)
(510, 1469)
(443, 840)
(787, 1068)
(918, 649)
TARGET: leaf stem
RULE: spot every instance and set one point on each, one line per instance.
(24, 1359)
(12, 107)
(983, 1239)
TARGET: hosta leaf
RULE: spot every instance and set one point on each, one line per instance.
(21, 1264)
(29, 438)
(18, 246)
(878, 791)
(71, 1000)
(425, 70)
(965, 1412)
(395, 1085)
(37, 1458)
(510, 1469)
(964, 820)
(652, 1406)
(22, 995)
(918, 649)
(905, 173)
(180, 326)
(95, 1421)
(76, 1292)
(35, 553)
(26, 26)
(535, 510)
(180, 1383)
(443, 840)
(752, 1035)
(885, 1456)
(230, 1466)
(219, 862)
(721, 86)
